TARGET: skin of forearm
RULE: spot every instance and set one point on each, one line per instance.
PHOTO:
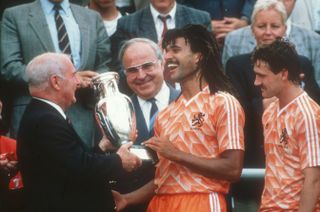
(227, 166)
(142, 194)
(310, 193)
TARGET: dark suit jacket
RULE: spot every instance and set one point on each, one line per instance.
(240, 70)
(219, 9)
(58, 172)
(133, 180)
(141, 24)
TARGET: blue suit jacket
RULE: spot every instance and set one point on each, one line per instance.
(223, 8)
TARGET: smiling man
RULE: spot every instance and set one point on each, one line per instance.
(198, 137)
(59, 173)
(143, 63)
(291, 132)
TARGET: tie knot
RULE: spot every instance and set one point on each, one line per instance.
(152, 100)
(57, 7)
(164, 18)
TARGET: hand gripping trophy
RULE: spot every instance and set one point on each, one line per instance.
(115, 115)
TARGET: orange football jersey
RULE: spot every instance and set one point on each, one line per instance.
(291, 144)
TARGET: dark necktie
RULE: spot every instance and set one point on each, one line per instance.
(63, 38)
(153, 112)
(164, 21)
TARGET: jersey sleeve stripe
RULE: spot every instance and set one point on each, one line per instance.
(311, 131)
(232, 122)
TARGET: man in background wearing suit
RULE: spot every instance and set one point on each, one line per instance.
(143, 63)
(152, 22)
(31, 29)
(58, 172)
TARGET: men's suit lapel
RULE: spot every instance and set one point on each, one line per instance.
(142, 128)
(180, 17)
(84, 34)
(173, 94)
(38, 23)
(147, 26)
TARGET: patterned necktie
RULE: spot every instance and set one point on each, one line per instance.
(63, 38)
(153, 112)
(164, 21)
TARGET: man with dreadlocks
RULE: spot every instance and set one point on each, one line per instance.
(199, 137)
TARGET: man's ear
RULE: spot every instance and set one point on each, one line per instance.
(198, 57)
(55, 82)
(284, 74)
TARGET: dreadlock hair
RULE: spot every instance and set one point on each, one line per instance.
(202, 41)
(279, 55)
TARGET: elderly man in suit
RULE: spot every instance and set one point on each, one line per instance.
(153, 21)
(58, 172)
(143, 63)
(31, 29)
(307, 42)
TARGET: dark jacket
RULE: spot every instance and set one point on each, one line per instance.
(58, 172)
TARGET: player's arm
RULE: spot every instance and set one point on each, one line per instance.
(310, 193)
(140, 195)
(227, 166)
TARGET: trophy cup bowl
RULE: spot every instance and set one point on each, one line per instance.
(115, 115)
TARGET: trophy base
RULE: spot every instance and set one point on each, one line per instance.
(144, 153)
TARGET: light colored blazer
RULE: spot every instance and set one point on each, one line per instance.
(25, 34)
(302, 14)
(307, 43)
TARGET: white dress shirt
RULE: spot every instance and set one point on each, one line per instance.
(171, 23)
(162, 101)
(71, 27)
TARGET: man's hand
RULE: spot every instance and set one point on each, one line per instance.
(8, 163)
(120, 200)
(129, 161)
(163, 146)
(105, 145)
(222, 27)
(85, 78)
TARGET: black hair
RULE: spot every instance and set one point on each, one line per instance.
(202, 41)
(279, 55)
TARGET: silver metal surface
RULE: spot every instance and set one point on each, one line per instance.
(252, 173)
(114, 111)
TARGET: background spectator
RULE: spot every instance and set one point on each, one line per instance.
(24, 38)
(226, 15)
(147, 23)
(307, 42)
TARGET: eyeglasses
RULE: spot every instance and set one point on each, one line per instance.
(146, 67)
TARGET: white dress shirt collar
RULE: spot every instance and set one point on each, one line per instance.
(54, 105)
(159, 24)
(48, 6)
(162, 101)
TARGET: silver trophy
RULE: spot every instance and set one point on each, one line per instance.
(115, 115)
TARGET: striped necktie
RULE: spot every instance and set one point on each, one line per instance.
(165, 26)
(63, 38)
(153, 112)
